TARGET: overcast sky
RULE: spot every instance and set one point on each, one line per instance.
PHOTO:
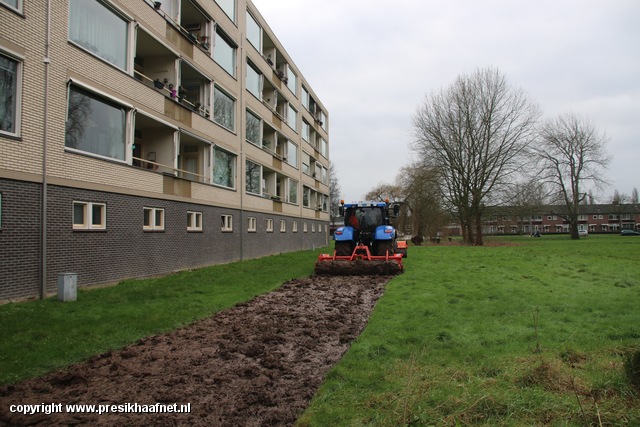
(372, 62)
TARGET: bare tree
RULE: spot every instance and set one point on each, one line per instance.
(334, 191)
(423, 207)
(384, 191)
(634, 196)
(571, 153)
(475, 135)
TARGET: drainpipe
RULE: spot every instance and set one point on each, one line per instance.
(243, 130)
(43, 205)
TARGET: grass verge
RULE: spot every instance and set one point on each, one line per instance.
(40, 336)
(521, 332)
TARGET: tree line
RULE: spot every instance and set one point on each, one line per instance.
(481, 143)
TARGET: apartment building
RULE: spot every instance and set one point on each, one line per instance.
(143, 137)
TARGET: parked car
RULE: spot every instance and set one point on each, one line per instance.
(627, 232)
(583, 233)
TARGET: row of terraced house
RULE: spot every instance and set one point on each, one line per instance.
(143, 137)
(594, 218)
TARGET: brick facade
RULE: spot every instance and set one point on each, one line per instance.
(124, 249)
(291, 117)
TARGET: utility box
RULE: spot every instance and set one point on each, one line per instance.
(67, 286)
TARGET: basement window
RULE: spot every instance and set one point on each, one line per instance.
(227, 223)
(153, 219)
(194, 221)
(89, 216)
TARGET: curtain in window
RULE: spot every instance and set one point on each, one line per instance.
(99, 30)
(8, 83)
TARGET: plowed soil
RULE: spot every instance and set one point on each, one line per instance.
(257, 364)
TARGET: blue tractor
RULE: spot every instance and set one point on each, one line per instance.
(367, 243)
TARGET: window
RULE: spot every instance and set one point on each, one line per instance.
(305, 130)
(306, 197)
(305, 98)
(13, 4)
(153, 219)
(10, 76)
(306, 161)
(313, 227)
(254, 81)
(324, 148)
(292, 154)
(269, 226)
(252, 224)
(224, 109)
(304, 227)
(253, 177)
(227, 223)
(224, 166)
(292, 116)
(194, 221)
(98, 29)
(294, 226)
(283, 226)
(89, 216)
(254, 32)
(95, 125)
(293, 191)
(224, 53)
(229, 7)
(253, 128)
(292, 80)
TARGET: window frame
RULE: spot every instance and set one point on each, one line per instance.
(218, 90)
(259, 184)
(153, 216)
(108, 101)
(194, 221)
(226, 225)
(17, 102)
(87, 216)
(128, 36)
(294, 226)
(225, 9)
(250, 113)
(269, 225)
(283, 226)
(232, 158)
(250, 18)
(220, 35)
(252, 224)
(18, 9)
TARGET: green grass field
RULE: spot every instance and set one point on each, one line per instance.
(520, 332)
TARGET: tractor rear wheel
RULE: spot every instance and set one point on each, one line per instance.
(344, 248)
(383, 246)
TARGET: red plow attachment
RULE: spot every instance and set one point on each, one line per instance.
(359, 263)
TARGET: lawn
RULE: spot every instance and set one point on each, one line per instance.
(520, 332)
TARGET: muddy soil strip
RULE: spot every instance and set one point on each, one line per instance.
(257, 364)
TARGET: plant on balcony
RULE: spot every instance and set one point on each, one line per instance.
(158, 84)
(157, 5)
